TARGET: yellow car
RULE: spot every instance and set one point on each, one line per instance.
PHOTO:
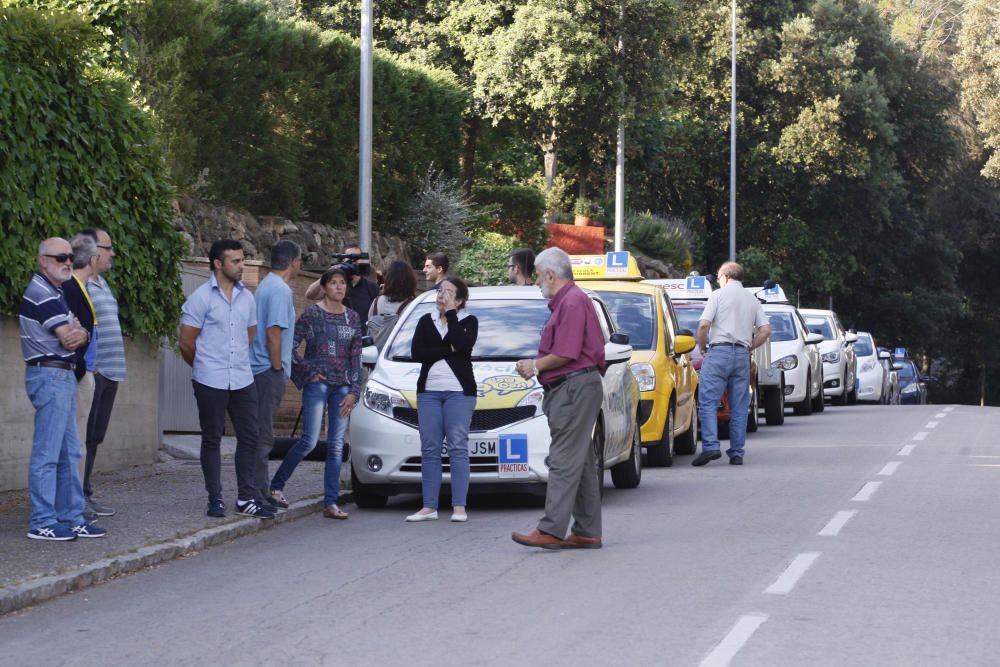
(668, 382)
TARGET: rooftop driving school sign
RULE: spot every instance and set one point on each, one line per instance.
(692, 287)
(610, 266)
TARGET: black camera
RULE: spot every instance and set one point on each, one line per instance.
(350, 264)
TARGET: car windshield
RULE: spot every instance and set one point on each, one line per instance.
(633, 314)
(688, 315)
(782, 327)
(508, 329)
(863, 348)
(907, 371)
(819, 325)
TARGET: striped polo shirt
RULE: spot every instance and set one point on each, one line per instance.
(43, 310)
(109, 360)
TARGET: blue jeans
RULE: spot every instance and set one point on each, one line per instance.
(315, 397)
(53, 479)
(444, 417)
(724, 367)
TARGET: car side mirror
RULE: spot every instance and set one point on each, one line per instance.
(684, 332)
(616, 352)
(683, 344)
(369, 353)
(814, 339)
(619, 338)
(896, 366)
(850, 338)
(925, 378)
(884, 355)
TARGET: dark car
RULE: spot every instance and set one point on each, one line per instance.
(912, 385)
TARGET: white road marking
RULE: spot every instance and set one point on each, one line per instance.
(889, 468)
(984, 456)
(949, 408)
(985, 465)
(832, 529)
(738, 636)
(920, 435)
(941, 415)
(930, 424)
(784, 584)
(905, 450)
(867, 491)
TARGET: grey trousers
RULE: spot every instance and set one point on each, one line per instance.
(574, 487)
(270, 390)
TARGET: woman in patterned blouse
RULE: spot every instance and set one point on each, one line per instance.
(330, 371)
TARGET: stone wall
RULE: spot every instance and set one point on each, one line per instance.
(201, 223)
(134, 434)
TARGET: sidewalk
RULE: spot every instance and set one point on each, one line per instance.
(161, 516)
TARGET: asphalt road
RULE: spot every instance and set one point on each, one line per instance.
(860, 536)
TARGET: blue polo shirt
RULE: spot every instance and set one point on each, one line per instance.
(222, 354)
(43, 310)
(275, 308)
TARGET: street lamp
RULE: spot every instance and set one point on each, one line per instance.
(732, 148)
(365, 138)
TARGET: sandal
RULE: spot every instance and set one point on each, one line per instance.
(334, 512)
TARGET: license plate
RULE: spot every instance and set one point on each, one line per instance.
(477, 447)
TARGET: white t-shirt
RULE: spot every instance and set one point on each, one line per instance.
(440, 376)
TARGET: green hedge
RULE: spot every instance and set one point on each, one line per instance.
(513, 210)
(484, 261)
(76, 153)
(262, 112)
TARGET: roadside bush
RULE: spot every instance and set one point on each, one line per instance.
(514, 210)
(262, 112)
(76, 153)
(437, 218)
(658, 237)
(484, 260)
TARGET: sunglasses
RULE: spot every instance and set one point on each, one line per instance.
(105, 247)
(62, 257)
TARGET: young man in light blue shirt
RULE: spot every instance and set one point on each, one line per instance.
(271, 353)
(218, 324)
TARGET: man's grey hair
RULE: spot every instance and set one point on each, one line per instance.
(84, 249)
(555, 260)
(283, 253)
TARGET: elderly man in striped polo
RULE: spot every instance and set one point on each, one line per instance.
(50, 334)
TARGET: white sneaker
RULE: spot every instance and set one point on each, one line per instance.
(430, 516)
(459, 518)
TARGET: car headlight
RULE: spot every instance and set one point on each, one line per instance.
(831, 357)
(644, 376)
(534, 397)
(868, 366)
(382, 400)
(910, 388)
(786, 363)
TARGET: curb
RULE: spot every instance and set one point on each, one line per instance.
(26, 594)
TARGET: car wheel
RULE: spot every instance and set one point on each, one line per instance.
(363, 497)
(628, 473)
(774, 405)
(687, 442)
(753, 418)
(804, 408)
(842, 399)
(819, 403)
(662, 454)
(852, 398)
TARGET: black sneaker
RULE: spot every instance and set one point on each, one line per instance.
(268, 505)
(253, 508)
(216, 507)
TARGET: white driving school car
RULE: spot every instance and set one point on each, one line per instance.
(509, 437)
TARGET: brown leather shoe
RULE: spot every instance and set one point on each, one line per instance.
(575, 541)
(537, 538)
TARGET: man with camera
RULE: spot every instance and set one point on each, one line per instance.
(361, 292)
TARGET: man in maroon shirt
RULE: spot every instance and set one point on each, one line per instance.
(570, 358)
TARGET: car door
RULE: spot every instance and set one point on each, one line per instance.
(685, 375)
(615, 402)
(813, 354)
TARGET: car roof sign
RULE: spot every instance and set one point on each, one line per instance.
(769, 294)
(692, 287)
(610, 266)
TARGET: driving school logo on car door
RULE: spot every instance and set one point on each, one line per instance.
(502, 391)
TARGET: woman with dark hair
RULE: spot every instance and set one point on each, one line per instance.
(330, 372)
(399, 290)
(446, 395)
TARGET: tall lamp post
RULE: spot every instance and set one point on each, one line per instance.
(365, 124)
(732, 148)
